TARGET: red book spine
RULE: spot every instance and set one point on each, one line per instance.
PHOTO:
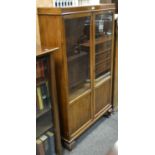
(37, 70)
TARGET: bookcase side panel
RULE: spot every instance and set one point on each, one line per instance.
(115, 69)
(49, 31)
(38, 42)
(113, 60)
(55, 105)
(62, 78)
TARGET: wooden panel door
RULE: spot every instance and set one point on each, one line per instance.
(103, 57)
(78, 59)
(79, 113)
(103, 95)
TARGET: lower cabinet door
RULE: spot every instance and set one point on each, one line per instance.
(102, 95)
(79, 113)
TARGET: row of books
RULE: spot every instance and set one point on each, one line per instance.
(43, 96)
(42, 68)
(45, 145)
(65, 3)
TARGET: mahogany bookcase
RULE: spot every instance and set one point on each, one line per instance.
(84, 63)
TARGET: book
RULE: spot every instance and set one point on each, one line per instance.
(37, 103)
(40, 101)
(48, 91)
(39, 147)
(44, 92)
(44, 139)
(51, 142)
(41, 67)
(37, 70)
(45, 63)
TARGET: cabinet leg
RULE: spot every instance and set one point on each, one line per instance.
(108, 113)
(69, 146)
(110, 110)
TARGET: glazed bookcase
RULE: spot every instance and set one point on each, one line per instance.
(47, 118)
(84, 63)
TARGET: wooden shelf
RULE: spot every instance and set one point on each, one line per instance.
(102, 39)
(102, 69)
(102, 78)
(100, 74)
(98, 41)
(76, 56)
(42, 112)
(103, 61)
(103, 51)
(44, 123)
(45, 51)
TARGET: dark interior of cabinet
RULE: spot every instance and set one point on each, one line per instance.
(103, 58)
(78, 71)
(77, 31)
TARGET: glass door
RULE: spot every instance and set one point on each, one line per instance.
(77, 34)
(103, 44)
(43, 98)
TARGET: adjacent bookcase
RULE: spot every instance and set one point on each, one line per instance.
(84, 63)
(47, 117)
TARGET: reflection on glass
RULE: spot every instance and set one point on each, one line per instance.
(43, 98)
(78, 33)
(103, 44)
